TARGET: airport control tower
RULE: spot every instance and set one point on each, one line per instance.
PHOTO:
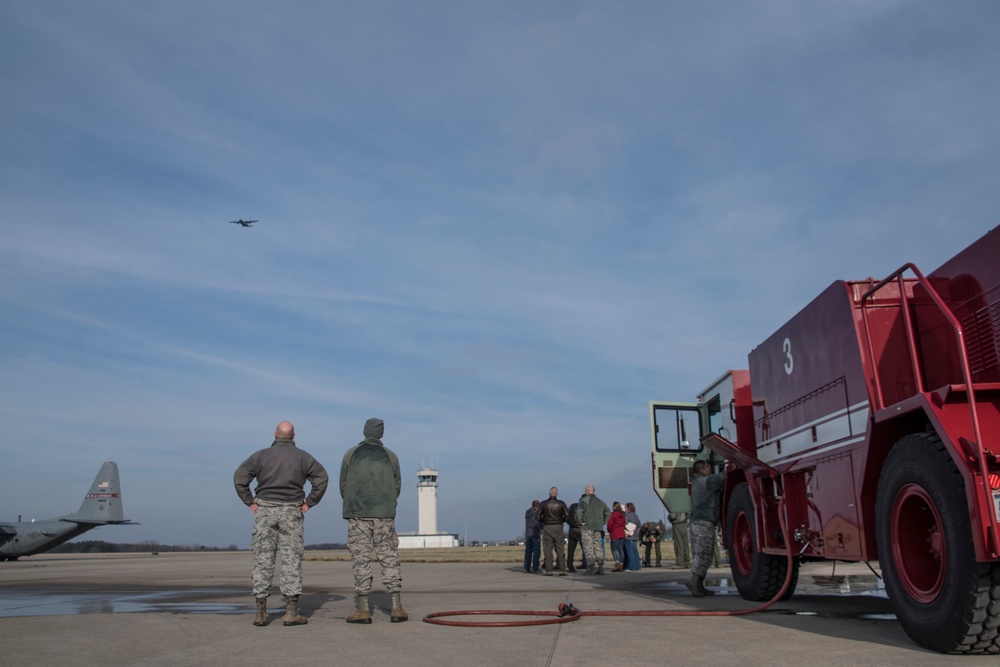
(427, 493)
(427, 514)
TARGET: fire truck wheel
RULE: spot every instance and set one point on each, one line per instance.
(940, 593)
(758, 576)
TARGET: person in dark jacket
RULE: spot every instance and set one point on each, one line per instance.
(632, 526)
(574, 539)
(706, 512)
(532, 538)
(552, 514)
(650, 537)
(370, 484)
(279, 510)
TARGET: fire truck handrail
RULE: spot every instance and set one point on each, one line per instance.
(908, 325)
(963, 358)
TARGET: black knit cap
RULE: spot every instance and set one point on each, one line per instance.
(374, 428)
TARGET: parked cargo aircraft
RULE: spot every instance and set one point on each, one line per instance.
(101, 507)
(243, 223)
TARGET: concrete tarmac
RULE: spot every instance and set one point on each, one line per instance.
(195, 609)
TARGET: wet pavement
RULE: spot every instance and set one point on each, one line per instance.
(61, 603)
(818, 584)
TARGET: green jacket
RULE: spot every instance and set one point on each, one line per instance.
(706, 497)
(369, 481)
(592, 513)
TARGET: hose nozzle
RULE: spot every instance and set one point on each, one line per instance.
(567, 609)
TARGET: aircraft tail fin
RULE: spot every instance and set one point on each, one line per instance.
(103, 503)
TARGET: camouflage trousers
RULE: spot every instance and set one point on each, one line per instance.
(277, 525)
(378, 536)
(593, 550)
(702, 535)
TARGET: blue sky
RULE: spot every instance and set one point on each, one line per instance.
(502, 227)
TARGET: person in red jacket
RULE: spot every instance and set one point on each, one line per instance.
(616, 531)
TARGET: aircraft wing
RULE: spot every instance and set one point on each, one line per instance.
(97, 522)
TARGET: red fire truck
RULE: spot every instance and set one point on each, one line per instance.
(868, 426)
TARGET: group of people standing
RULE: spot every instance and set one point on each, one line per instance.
(589, 520)
(543, 532)
(590, 517)
(369, 486)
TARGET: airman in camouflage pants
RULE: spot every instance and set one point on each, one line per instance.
(277, 525)
(702, 535)
(369, 484)
(365, 536)
(706, 507)
(281, 471)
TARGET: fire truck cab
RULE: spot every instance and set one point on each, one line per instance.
(678, 430)
(867, 428)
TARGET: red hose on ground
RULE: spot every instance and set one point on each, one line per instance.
(567, 612)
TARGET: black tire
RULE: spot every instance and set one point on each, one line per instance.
(944, 599)
(758, 576)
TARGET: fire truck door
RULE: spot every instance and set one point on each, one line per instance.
(677, 429)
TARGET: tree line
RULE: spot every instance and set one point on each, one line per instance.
(148, 546)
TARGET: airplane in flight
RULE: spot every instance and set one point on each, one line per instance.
(243, 223)
(101, 507)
